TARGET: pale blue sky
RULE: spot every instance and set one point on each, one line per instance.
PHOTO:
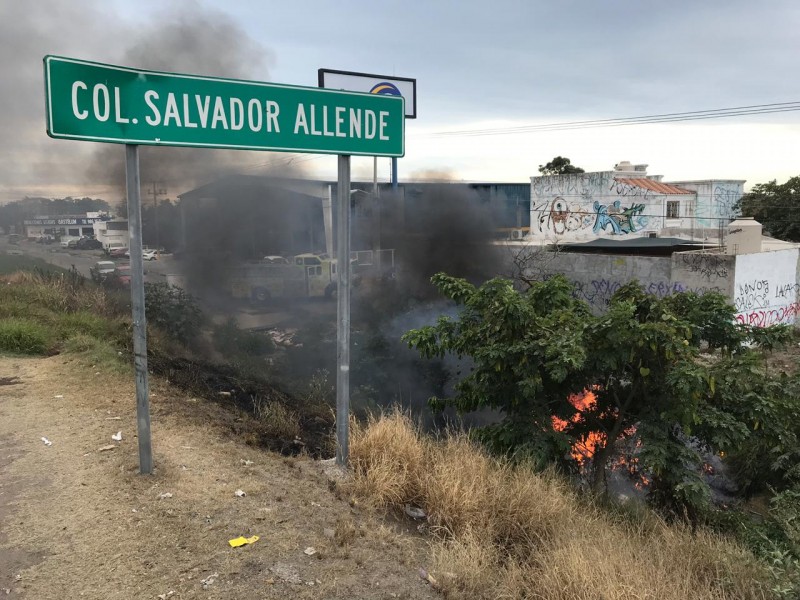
(478, 64)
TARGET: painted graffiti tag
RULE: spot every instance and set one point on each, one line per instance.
(782, 315)
(598, 292)
(626, 189)
(581, 184)
(620, 220)
(787, 290)
(707, 265)
(560, 217)
(752, 294)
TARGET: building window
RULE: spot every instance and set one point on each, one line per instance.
(673, 209)
(74, 232)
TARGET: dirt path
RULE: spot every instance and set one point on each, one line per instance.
(78, 522)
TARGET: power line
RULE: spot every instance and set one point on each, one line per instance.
(717, 113)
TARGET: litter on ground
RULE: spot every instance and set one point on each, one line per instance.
(241, 541)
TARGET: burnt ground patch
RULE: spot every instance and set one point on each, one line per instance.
(228, 387)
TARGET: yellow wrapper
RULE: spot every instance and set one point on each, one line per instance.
(241, 541)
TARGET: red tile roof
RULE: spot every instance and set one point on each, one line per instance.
(652, 185)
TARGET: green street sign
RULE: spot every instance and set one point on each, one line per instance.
(104, 103)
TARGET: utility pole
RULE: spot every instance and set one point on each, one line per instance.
(155, 193)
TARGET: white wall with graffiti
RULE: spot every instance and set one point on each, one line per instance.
(765, 290)
(716, 200)
(764, 286)
(586, 206)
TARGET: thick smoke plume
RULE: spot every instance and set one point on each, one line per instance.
(447, 228)
(199, 42)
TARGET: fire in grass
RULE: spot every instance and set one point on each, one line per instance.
(589, 440)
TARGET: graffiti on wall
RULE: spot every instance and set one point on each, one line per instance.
(620, 220)
(561, 218)
(781, 315)
(718, 205)
(598, 292)
(582, 184)
(766, 288)
(710, 266)
(620, 188)
(751, 295)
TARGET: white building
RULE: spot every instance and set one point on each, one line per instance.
(626, 201)
(112, 234)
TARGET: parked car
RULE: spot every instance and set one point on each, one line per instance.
(121, 277)
(102, 270)
(149, 255)
(275, 260)
(89, 244)
(117, 252)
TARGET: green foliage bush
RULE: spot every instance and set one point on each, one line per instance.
(173, 311)
(23, 336)
(641, 359)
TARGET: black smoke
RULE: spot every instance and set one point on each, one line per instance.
(199, 42)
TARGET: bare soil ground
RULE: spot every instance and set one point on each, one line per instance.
(80, 522)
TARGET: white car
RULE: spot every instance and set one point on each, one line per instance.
(149, 255)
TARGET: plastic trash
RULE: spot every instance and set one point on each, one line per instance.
(117, 437)
(310, 551)
(240, 493)
(47, 442)
(241, 541)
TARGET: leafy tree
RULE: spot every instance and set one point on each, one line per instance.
(559, 166)
(531, 350)
(776, 206)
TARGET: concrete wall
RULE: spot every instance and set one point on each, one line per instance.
(586, 206)
(766, 287)
(715, 200)
(703, 271)
(590, 205)
(597, 276)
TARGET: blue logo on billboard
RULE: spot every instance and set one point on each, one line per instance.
(385, 89)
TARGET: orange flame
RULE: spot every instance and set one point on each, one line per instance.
(585, 448)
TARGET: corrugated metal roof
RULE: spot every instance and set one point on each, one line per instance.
(652, 185)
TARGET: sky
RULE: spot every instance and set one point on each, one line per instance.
(479, 65)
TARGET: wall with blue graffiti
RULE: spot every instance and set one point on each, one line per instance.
(716, 200)
(586, 206)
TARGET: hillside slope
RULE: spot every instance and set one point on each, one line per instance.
(80, 522)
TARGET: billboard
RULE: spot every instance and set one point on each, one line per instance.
(383, 85)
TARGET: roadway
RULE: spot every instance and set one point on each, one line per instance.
(156, 271)
(83, 260)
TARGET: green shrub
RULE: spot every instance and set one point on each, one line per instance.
(22, 336)
(173, 311)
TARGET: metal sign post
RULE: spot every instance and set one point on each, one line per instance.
(343, 314)
(137, 308)
(97, 102)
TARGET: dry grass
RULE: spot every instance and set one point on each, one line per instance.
(388, 457)
(503, 531)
